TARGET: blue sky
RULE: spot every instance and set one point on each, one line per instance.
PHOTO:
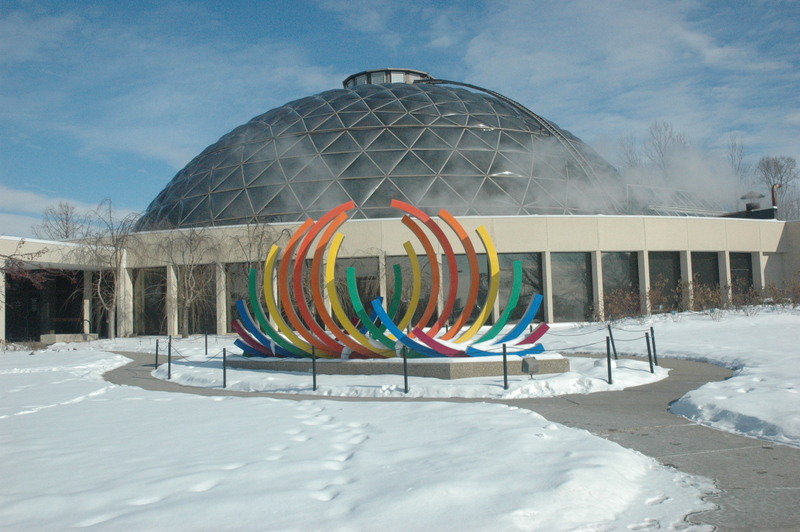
(109, 99)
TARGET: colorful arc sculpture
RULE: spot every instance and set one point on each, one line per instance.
(290, 328)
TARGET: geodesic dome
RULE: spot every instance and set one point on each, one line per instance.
(431, 145)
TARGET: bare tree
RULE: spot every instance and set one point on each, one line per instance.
(629, 153)
(192, 252)
(778, 174)
(741, 168)
(17, 263)
(105, 246)
(662, 143)
(62, 222)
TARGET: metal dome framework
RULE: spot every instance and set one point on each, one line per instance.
(425, 143)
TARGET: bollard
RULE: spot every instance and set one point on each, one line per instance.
(505, 369)
(206, 344)
(224, 369)
(649, 352)
(405, 369)
(613, 344)
(653, 340)
(608, 359)
(169, 359)
(314, 365)
(155, 364)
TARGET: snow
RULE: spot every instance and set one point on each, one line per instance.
(79, 452)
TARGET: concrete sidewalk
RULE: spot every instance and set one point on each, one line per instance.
(760, 481)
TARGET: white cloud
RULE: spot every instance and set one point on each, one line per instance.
(27, 38)
(17, 225)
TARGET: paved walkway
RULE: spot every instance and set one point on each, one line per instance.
(759, 481)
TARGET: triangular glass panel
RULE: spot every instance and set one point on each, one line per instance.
(523, 140)
(480, 159)
(324, 109)
(228, 179)
(407, 135)
(387, 118)
(313, 122)
(357, 105)
(337, 162)
(265, 152)
(451, 120)
(408, 120)
(283, 128)
(314, 169)
(295, 146)
(442, 196)
(199, 187)
(387, 160)
(387, 140)
(343, 144)
(360, 189)
(256, 172)
(465, 186)
(458, 165)
(331, 197)
(511, 166)
(369, 120)
(309, 190)
(382, 196)
(197, 214)
(430, 140)
(284, 202)
(323, 140)
(473, 140)
(350, 119)
(364, 137)
(392, 105)
(331, 123)
(435, 159)
(413, 187)
(515, 187)
(492, 194)
(221, 200)
(362, 167)
(410, 164)
(259, 197)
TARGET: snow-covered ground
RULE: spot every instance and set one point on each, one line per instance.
(79, 452)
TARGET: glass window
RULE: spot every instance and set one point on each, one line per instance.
(531, 282)
(665, 281)
(572, 286)
(149, 297)
(620, 284)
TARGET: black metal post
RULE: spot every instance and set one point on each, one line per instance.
(653, 340)
(206, 344)
(169, 359)
(155, 364)
(224, 368)
(613, 344)
(405, 368)
(505, 369)
(649, 352)
(314, 365)
(608, 359)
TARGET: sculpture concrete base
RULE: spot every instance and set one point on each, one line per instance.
(453, 368)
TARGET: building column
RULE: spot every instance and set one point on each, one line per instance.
(597, 284)
(759, 271)
(725, 288)
(644, 281)
(547, 281)
(86, 311)
(124, 319)
(172, 301)
(686, 284)
(221, 289)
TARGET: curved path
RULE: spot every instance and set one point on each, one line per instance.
(759, 481)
